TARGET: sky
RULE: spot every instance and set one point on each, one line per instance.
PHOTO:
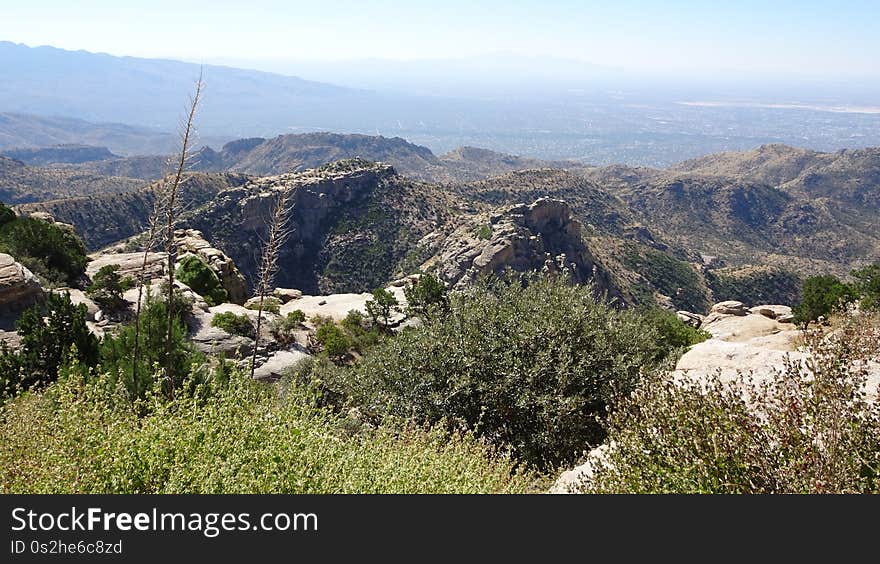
(807, 38)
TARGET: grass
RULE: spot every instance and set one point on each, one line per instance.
(80, 438)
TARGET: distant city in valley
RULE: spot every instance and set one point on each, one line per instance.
(593, 115)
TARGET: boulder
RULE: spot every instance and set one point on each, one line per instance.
(771, 311)
(337, 306)
(573, 481)
(741, 343)
(78, 297)
(692, 319)
(210, 339)
(129, 264)
(730, 307)
(280, 362)
(19, 288)
(544, 236)
(287, 294)
(42, 216)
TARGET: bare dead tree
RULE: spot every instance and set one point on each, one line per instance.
(278, 231)
(153, 229)
(183, 158)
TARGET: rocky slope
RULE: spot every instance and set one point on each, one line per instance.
(19, 288)
(354, 225)
(108, 218)
(56, 154)
(802, 210)
(542, 236)
(20, 183)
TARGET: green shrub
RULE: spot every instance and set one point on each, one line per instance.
(868, 286)
(7, 215)
(106, 288)
(284, 329)
(270, 304)
(53, 253)
(51, 333)
(295, 318)
(528, 368)
(426, 297)
(821, 295)
(193, 272)
(360, 335)
(354, 321)
(483, 231)
(382, 306)
(672, 333)
(318, 320)
(78, 438)
(233, 323)
(672, 277)
(811, 429)
(333, 339)
(117, 351)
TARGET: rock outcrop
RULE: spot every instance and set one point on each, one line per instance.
(543, 236)
(19, 288)
(190, 241)
(351, 225)
(743, 340)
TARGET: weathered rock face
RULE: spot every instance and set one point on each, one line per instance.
(190, 241)
(543, 236)
(238, 218)
(692, 319)
(741, 342)
(351, 224)
(19, 288)
(129, 264)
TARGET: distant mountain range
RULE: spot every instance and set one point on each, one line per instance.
(545, 109)
(29, 131)
(150, 93)
(290, 153)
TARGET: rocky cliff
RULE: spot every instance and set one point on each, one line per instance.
(541, 236)
(353, 225)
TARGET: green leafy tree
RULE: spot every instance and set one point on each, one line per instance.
(868, 286)
(118, 361)
(528, 368)
(6, 215)
(360, 335)
(333, 339)
(382, 306)
(107, 287)
(428, 296)
(672, 333)
(197, 275)
(821, 295)
(55, 254)
(233, 323)
(51, 334)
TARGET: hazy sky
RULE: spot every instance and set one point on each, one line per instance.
(807, 37)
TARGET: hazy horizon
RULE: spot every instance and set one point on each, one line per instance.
(805, 40)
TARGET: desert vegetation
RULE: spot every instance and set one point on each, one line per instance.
(811, 428)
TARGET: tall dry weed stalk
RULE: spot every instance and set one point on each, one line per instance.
(278, 231)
